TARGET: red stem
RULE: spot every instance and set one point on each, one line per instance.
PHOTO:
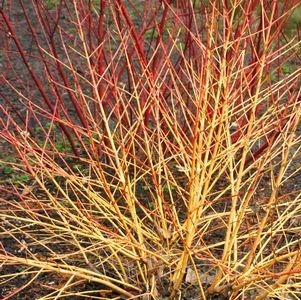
(36, 80)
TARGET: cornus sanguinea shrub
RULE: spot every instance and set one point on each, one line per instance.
(160, 139)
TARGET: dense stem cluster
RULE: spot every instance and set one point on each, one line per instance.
(160, 137)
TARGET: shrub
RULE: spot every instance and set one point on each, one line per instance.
(161, 137)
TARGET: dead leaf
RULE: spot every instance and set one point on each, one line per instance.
(207, 279)
(191, 277)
